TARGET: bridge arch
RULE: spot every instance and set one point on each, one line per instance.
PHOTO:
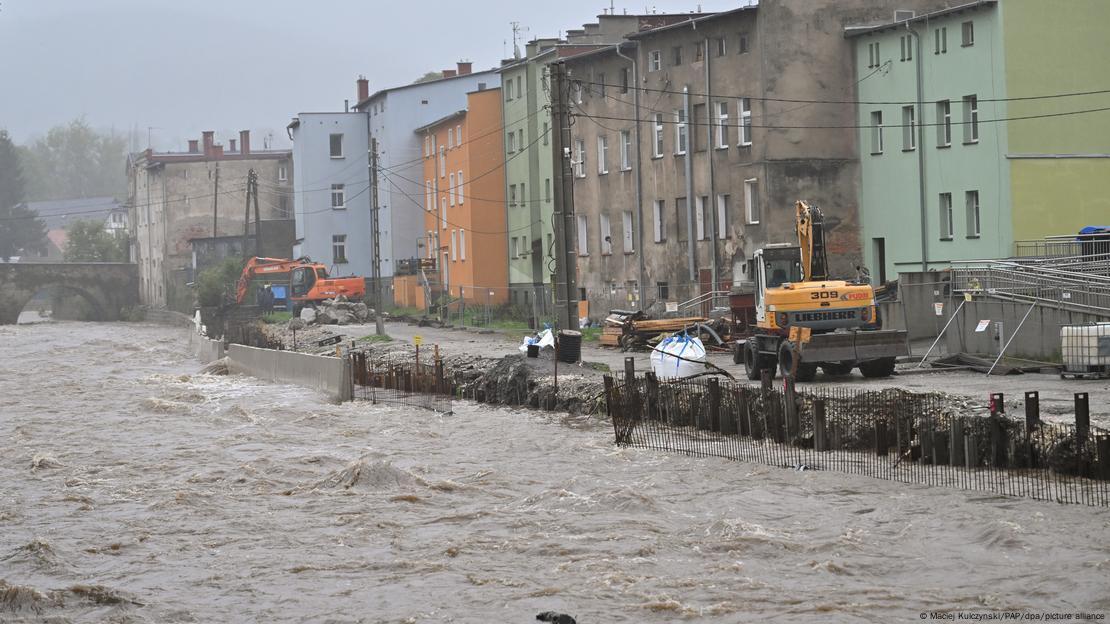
(108, 287)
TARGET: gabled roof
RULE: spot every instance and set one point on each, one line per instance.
(421, 84)
(855, 31)
(429, 126)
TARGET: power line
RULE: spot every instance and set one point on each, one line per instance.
(113, 208)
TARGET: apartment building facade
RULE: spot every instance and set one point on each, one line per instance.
(174, 197)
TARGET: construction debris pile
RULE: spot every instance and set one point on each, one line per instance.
(338, 311)
(633, 330)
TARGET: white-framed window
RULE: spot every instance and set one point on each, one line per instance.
(968, 31)
(508, 90)
(442, 162)
(722, 216)
(971, 201)
(523, 195)
(602, 153)
(579, 158)
(876, 132)
(427, 146)
(519, 88)
(699, 218)
(605, 234)
(283, 173)
(944, 123)
(659, 229)
(583, 236)
(339, 249)
(722, 125)
(516, 247)
(680, 130)
(751, 201)
(335, 142)
(454, 245)
(655, 60)
(626, 232)
(940, 36)
(742, 43)
(443, 212)
(338, 197)
(626, 150)
(428, 241)
(520, 139)
(458, 136)
(909, 129)
(657, 142)
(745, 121)
(450, 138)
(600, 84)
(721, 47)
(946, 229)
(511, 142)
(459, 185)
(462, 244)
(429, 196)
(971, 119)
(873, 59)
(512, 194)
(451, 189)
(906, 44)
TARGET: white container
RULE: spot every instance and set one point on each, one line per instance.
(666, 365)
(1085, 347)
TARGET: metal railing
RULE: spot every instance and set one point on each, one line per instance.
(1075, 282)
(710, 299)
(1063, 246)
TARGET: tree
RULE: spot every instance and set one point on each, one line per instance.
(88, 241)
(428, 77)
(74, 161)
(20, 228)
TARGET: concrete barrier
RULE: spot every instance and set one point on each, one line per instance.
(326, 374)
(1038, 339)
(204, 349)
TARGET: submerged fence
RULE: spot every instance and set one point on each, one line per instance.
(888, 434)
(417, 381)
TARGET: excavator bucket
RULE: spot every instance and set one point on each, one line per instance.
(855, 346)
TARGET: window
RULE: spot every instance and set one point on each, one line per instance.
(458, 136)
(876, 132)
(626, 232)
(462, 244)
(873, 58)
(520, 139)
(624, 80)
(547, 189)
(655, 60)
(971, 119)
(751, 200)
(745, 121)
(626, 150)
(450, 138)
(743, 43)
(944, 123)
(657, 142)
(659, 228)
(512, 194)
(699, 53)
(519, 88)
(429, 198)
(579, 158)
(605, 234)
(676, 55)
(680, 131)
(523, 195)
(427, 146)
(946, 216)
(600, 84)
(680, 214)
(909, 129)
(940, 36)
(336, 143)
(721, 46)
(968, 34)
(699, 217)
(451, 190)
(509, 90)
(722, 125)
(577, 92)
(602, 153)
(338, 197)
(283, 173)
(459, 183)
(442, 162)
(971, 200)
(546, 130)
(428, 238)
(583, 248)
(906, 42)
(454, 245)
(443, 212)
(510, 143)
(664, 291)
(339, 249)
(516, 247)
(722, 216)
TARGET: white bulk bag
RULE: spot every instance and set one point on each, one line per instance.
(665, 364)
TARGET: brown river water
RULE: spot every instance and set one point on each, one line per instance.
(133, 489)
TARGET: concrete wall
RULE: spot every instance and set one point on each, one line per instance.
(1039, 337)
(325, 374)
(204, 349)
(915, 310)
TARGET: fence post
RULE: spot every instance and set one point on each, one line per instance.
(743, 409)
(790, 399)
(956, 455)
(999, 443)
(652, 383)
(971, 449)
(1032, 420)
(1103, 445)
(608, 380)
(820, 441)
(714, 405)
(1082, 418)
(880, 438)
(629, 370)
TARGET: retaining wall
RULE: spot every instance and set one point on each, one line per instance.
(204, 349)
(329, 375)
(1039, 338)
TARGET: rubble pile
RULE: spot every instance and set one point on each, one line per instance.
(338, 311)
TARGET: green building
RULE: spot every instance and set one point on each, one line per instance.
(960, 155)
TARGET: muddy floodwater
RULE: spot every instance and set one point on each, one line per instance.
(133, 489)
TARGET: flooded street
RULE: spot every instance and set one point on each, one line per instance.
(133, 489)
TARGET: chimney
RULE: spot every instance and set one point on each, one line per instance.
(207, 138)
(244, 142)
(217, 151)
(194, 146)
(464, 67)
(231, 145)
(363, 89)
(449, 73)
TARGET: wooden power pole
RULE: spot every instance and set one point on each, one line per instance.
(566, 287)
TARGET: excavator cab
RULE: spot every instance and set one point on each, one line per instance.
(775, 265)
(302, 281)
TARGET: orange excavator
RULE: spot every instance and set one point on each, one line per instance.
(308, 281)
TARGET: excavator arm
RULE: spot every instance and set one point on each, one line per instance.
(261, 266)
(810, 225)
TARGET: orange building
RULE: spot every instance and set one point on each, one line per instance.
(464, 201)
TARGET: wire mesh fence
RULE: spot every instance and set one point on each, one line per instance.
(888, 434)
(410, 380)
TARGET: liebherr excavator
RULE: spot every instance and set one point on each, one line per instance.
(804, 320)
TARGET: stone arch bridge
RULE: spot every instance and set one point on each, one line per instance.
(108, 287)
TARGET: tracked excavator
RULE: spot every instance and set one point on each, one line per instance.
(805, 320)
(308, 281)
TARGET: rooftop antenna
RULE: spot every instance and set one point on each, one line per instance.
(612, 8)
(516, 35)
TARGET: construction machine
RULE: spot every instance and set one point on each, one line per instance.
(308, 281)
(805, 320)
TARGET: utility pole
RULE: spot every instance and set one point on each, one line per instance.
(216, 202)
(566, 287)
(247, 215)
(257, 217)
(379, 326)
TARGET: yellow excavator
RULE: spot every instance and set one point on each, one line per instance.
(805, 320)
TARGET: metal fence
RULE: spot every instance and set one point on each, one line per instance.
(1083, 285)
(418, 380)
(889, 434)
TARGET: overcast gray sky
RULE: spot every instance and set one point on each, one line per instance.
(181, 67)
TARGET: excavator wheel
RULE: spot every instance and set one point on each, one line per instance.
(753, 363)
(882, 367)
(737, 353)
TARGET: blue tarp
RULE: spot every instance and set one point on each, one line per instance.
(1095, 229)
